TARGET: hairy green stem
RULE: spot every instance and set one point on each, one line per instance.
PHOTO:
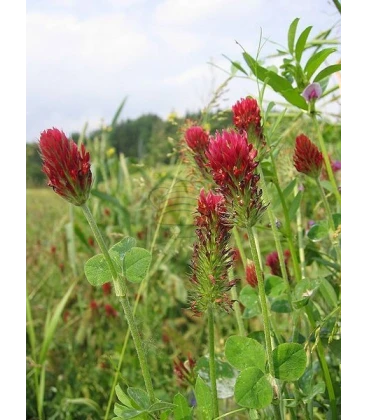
(263, 301)
(326, 159)
(324, 366)
(236, 305)
(299, 226)
(211, 343)
(121, 291)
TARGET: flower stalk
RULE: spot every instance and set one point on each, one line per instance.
(212, 363)
(121, 292)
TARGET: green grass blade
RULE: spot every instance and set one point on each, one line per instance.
(52, 324)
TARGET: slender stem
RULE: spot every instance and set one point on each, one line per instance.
(263, 301)
(299, 226)
(329, 217)
(121, 290)
(230, 412)
(338, 5)
(289, 233)
(238, 314)
(276, 237)
(324, 365)
(326, 159)
(211, 343)
(240, 247)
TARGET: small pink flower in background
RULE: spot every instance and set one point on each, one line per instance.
(272, 261)
(107, 211)
(184, 371)
(312, 92)
(247, 117)
(106, 287)
(336, 165)
(251, 275)
(68, 169)
(66, 316)
(91, 241)
(93, 305)
(307, 157)
(53, 249)
(236, 255)
(110, 311)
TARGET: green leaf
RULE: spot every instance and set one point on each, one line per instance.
(291, 34)
(97, 271)
(274, 285)
(117, 113)
(236, 64)
(327, 72)
(225, 375)
(316, 60)
(86, 402)
(318, 232)
(277, 83)
(317, 389)
(182, 411)
(161, 405)
(295, 205)
(328, 293)
(204, 400)
(140, 397)
(126, 412)
(281, 306)
(289, 361)
(300, 43)
(336, 217)
(304, 291)
(249, 298)
(50, 326)
(122, 397)
(252, 389)
(289, 188)
(118, 251)
(136, 263)
(243, 352)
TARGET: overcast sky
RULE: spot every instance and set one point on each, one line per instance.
(84, 57)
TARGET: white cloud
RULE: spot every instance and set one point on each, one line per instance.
(64, 51)
(188, 12)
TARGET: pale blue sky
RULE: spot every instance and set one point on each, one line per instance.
(84, 57)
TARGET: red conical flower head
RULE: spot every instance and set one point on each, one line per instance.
(67, 168)
(247, 117)
(307, 158)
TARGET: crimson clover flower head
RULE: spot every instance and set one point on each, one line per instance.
(247, 117)
(184, 371)
(272, 261)
(312, 92)
(68, 169)
(307, 157)
(250, 274)
(231, 158)
(212, 255)
(232, 162)
(197, 139)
